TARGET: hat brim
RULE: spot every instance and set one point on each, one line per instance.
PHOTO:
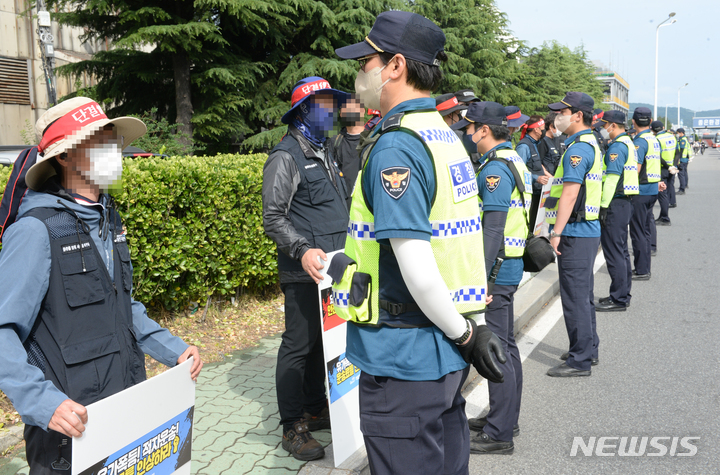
(456, 108)
(358, 50)
(460, 124)
(518, 122)
(340, 97)
(558, 106)
(129, 128)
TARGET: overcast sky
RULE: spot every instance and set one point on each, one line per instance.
(621, 35)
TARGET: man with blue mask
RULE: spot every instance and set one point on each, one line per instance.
(305, 213)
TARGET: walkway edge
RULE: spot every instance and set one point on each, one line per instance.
(529, 300)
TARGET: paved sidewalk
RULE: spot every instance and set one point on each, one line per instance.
(237, 424)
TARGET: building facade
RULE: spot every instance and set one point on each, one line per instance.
(23, 91)
(617, 90)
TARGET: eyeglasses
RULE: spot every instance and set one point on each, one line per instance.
(364, 60)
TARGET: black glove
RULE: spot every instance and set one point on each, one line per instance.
(479, 350)
(602, 217)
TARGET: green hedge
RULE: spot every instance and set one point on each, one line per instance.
(194, 227)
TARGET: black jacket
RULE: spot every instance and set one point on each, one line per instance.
(304, 203)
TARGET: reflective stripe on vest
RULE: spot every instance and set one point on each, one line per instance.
(592, 182)
(456, 241)
(630, 174)
(516, 225)
(650, 169)
(668, 145)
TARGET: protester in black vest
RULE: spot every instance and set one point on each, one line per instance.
(305, 213)
(70, 332)
(528, 149)
(599, 131)
(549, 146)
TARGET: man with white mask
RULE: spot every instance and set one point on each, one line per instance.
(70, 331)
(413, 269)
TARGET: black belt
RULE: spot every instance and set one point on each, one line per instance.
(395, 309)
(622, 197)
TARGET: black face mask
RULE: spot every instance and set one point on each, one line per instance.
(351, 118)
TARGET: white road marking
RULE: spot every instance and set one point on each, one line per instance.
(527, 341)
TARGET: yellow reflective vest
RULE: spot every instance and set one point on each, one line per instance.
(456, 241)
(630, 173)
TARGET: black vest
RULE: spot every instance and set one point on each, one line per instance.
(83, 337)
(534, 163)
(318, 210)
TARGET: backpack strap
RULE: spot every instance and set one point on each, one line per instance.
(16, 188)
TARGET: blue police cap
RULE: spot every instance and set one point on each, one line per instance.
(578, 100)
(657, 126)
(489, 113)
(680, 130)
(642, 113)
(614, 117)
(409, 34)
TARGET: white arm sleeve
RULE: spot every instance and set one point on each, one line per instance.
(422, 277)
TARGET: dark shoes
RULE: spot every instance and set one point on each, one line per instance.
(609, 306)
(610, 300)
(301, 444)
(483, 444)
(672, 206)
(476, 424)
(593, 362)
(636, 276)
(564, 371)
(653, 253)
(662, 222)
(680, 192)
(319, 422)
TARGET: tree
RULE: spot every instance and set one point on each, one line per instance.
(554, 69)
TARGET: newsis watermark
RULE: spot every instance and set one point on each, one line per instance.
(634, 446)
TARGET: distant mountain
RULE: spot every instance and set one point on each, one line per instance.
(685, 114)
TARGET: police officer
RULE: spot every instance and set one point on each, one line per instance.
(620, 182)
(414, 264)
(683, 158)
(549, 146)
(529, 150)
(642, 224)
(573, 209)
(305, 214)
(668, 145)
(504, 209)
(70, 332)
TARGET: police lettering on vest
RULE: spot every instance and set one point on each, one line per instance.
(650, 168)
(456, 231)
(629, 180)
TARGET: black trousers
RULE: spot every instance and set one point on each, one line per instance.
(683, 175)
(664, 197)
(614, 241)
(575, 269)
(415, 427)
(300, 373)
(535, 204)
(504, 397)
(671, 189)
(640, 232)
(46, 453)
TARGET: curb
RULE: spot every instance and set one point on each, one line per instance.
(11, 437)
(529, 300)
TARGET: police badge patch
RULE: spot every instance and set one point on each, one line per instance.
(613, 157)
(575, 160)
(395, 181)
(492, 182)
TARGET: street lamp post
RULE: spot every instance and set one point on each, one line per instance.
(657, 38)
(666, 114)
(678, 123)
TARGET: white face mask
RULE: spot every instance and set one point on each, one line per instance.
(604, 133)
(562, 122)
(557, 133)
(368, 87)
(105, 165)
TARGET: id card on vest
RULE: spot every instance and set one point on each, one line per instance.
(463, 181)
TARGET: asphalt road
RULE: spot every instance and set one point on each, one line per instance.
(659, 371)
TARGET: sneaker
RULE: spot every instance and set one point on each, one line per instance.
(483, 444)
(476, 424)
(319, 422)
(301, 444)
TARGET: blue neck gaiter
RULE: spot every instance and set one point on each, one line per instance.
(314, 122)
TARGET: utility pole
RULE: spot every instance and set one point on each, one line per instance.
(47, 51)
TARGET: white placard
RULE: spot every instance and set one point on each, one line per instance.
(341, 376)
(541, 227)
(147, 427)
